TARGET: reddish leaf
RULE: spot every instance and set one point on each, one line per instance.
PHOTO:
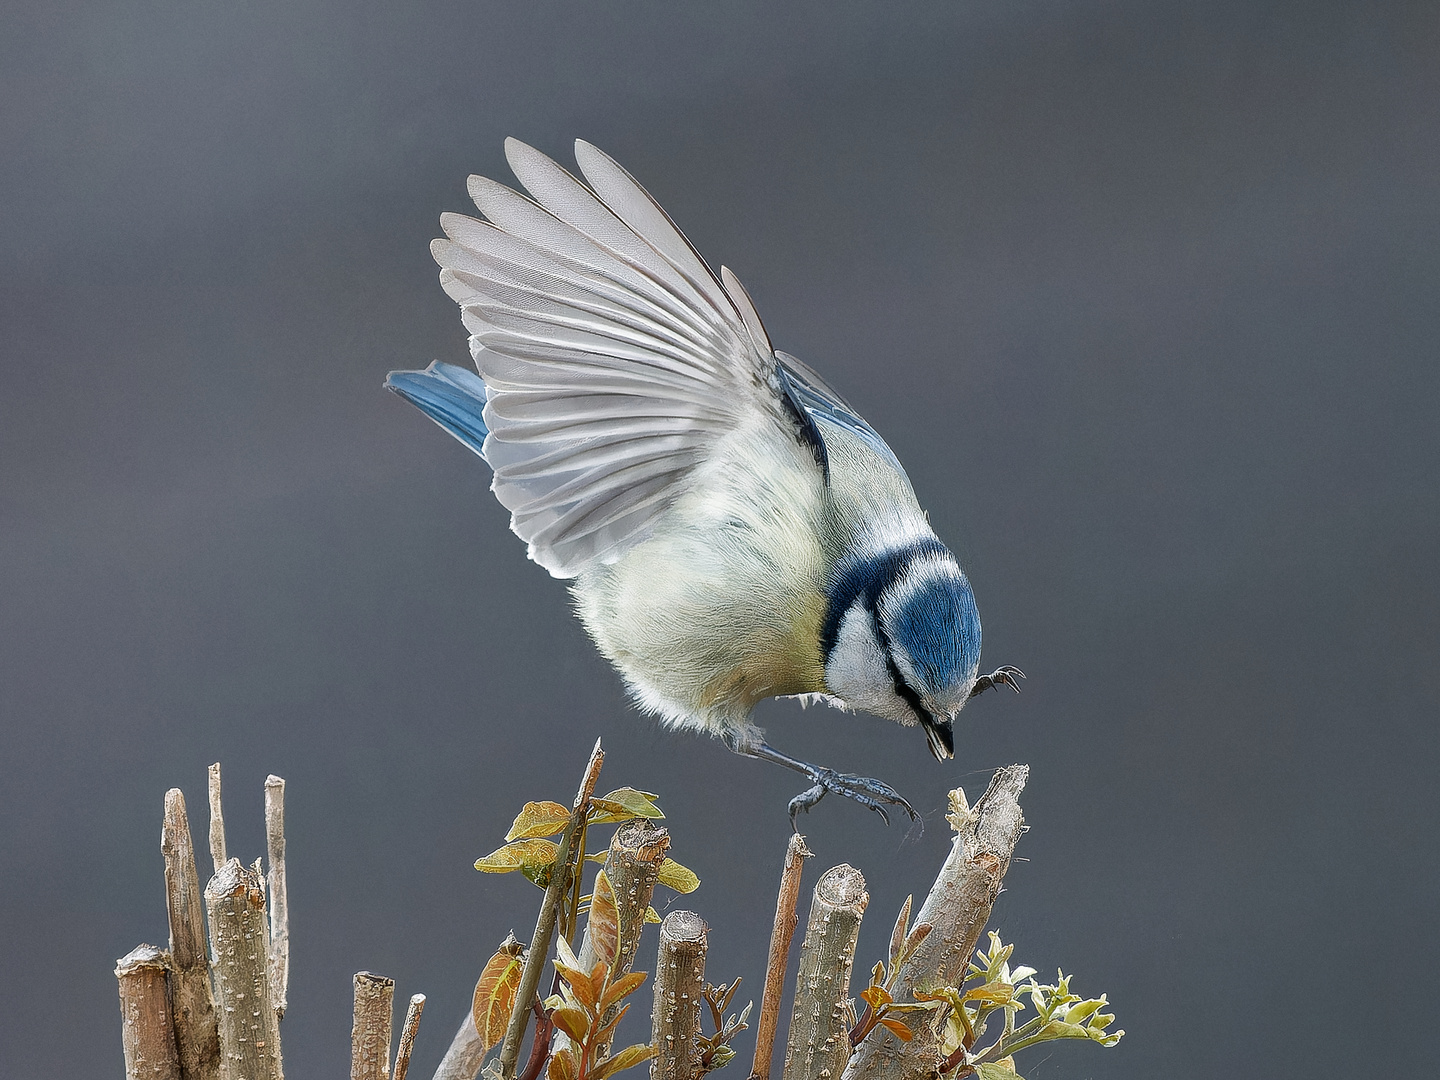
(604, 923)
(562, 1066)
(495, 992)
(571, 1021)
(630, 1056)
(621, 988)
(901, 1031)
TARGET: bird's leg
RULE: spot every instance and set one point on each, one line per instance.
(1001, 676)
(863, 789)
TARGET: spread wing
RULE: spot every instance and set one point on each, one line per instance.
(822, 404)
(613, 357)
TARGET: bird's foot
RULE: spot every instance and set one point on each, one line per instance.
(865, 790)
(1001, 676)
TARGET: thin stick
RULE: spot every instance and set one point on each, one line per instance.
(275, 879)
(781, 934)
(146, 1029)
(217, 820)
(958, 907)
(248, 1027)
(819, 1040)
(407, 1037)
(679, 975)
(370, 1032)
(191, 1002)
(539, 952)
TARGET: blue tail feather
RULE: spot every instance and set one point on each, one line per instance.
(451, 396)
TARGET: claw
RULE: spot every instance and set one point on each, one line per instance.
(868, 792)
(1001, 676)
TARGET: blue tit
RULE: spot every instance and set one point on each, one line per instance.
(731, 527)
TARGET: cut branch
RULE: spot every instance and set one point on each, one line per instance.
(275, 879)
(633, 866)
(539, 952)
(781, 934)
(679, 976)
(240, 934)
(819, 1040)
(217, 820)
(191, 1002)
(958, 907)
(146, 1028)
(370, 1031)
(407, 1037)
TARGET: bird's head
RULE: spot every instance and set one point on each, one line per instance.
(902, 639)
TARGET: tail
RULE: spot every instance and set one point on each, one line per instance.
(451, 396)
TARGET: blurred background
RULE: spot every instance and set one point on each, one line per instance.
(1144, 294)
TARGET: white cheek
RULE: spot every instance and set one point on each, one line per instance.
(858, 673)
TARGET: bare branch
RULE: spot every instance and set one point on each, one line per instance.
(633, 866)
(781, 934)
(275, 879)
(217, 820)
(191, 1002)
(370, 1032)
(958, 907)
(248, 1027)
(679, 976)
(539, 952)
(407, 1037)
(819, 1040)
(146, 1028)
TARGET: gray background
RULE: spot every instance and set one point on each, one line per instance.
(1143, 294)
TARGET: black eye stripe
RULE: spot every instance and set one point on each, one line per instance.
(867, 579)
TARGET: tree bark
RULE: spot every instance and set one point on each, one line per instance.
(633, 866)
(147, 1031)
(466, 1054)
(958, 908)
(371, 1030)
(248, 1027)
(407, 1036)
(819, 1040)
(191, 1001)
(679, 976)
(781, 935)
(217, 819)
(275, 879)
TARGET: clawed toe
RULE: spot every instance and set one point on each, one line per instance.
(1001, 676)
(865, 790)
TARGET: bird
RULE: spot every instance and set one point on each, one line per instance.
(731, 528)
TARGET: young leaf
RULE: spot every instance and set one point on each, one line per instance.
(988, 1070)
(604, 920)
(495, 992)
(997, 992)
(563, 1066)
(875, 996)
(897, 936)
(623, 804)
(622, 987)
(901, 1030)
(607, 1032)
(917, 935)
(625, 1059)
(651, 915)
(538, 819)
(533, 852)
(573, 1022)
(677, 877)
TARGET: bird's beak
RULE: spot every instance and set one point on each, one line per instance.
(940, 735)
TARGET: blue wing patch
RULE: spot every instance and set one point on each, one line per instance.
(817, 400)
(453, 397)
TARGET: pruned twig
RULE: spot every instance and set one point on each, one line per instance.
(679, 977)
(217, 820)
(146, 1028)
(545, 925)
(819, 1039)
(407, 1037)
(275, 879)
(191, 1002)
(957, 908)
(781, 935)
(370, 1031)
(248, 1027)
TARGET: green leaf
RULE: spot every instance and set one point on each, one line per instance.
(538, 819)
(989, 1070)
(520, 855)
(651, 915)
(622, 804)
(677, 877)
